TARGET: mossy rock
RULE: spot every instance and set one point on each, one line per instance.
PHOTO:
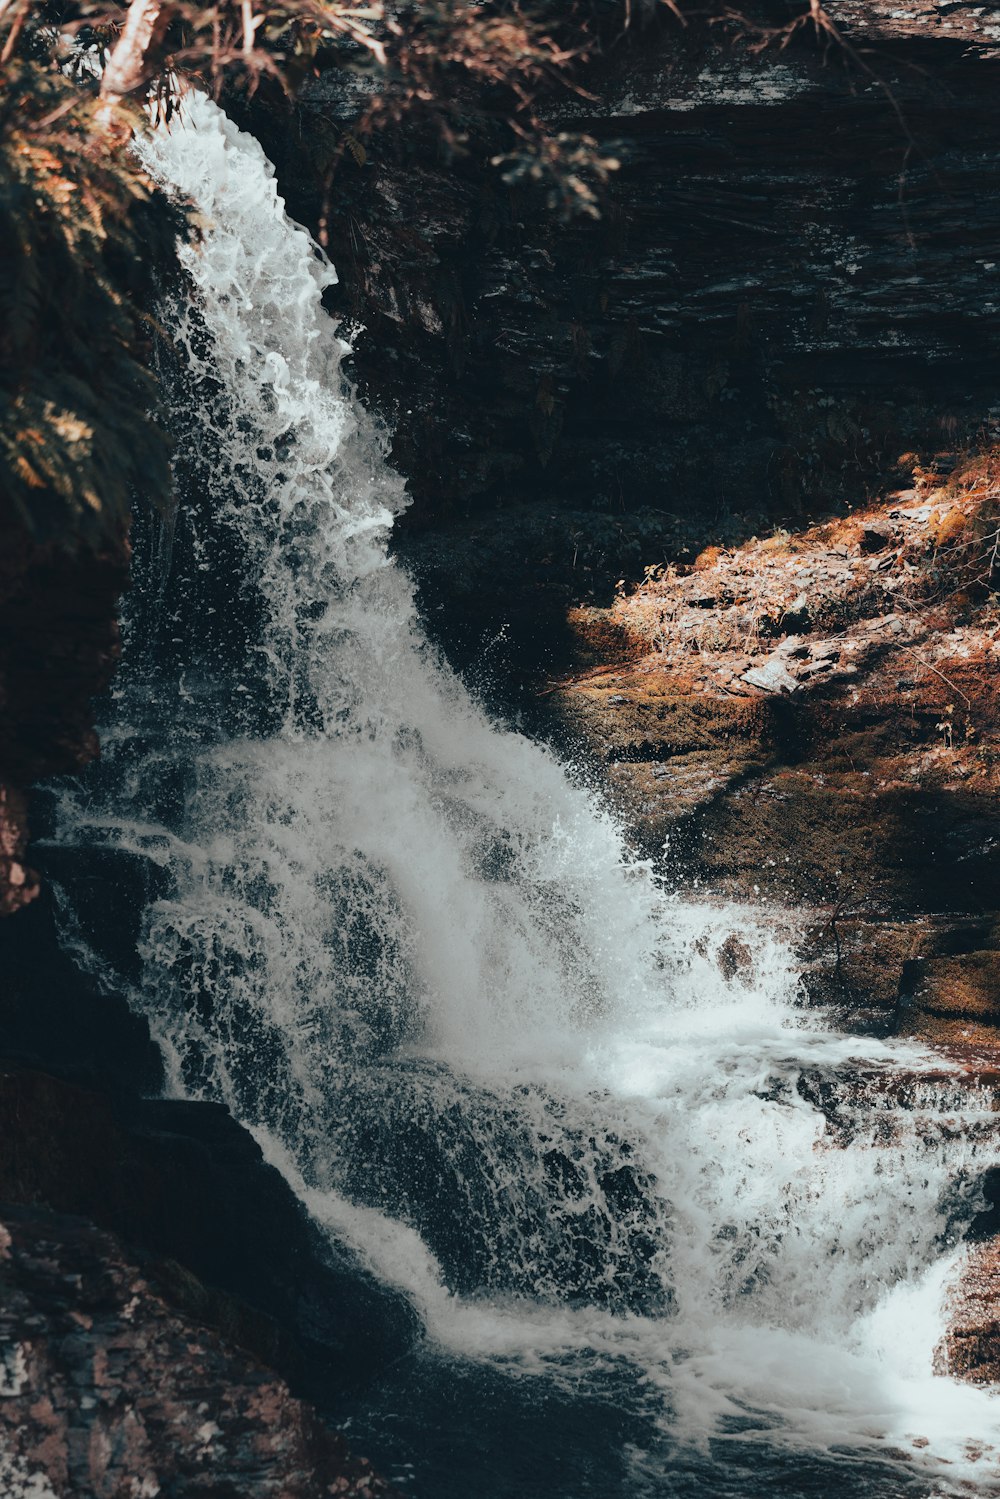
(968, 985)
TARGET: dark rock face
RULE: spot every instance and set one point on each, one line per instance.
(58, 648)
(220, 1241)
(181, 1182)
(106, 1391)
(788, 288)
(188, 1185)
(967, 986)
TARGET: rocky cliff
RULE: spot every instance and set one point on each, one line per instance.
(793, 282)
(757, 402)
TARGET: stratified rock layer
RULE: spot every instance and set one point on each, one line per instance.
(105, 1391)
(794, 280)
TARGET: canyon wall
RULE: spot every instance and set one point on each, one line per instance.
(791, 285)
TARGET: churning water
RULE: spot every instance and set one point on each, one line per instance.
(487, 1049)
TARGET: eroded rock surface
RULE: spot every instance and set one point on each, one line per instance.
(186, 1188)
(58, 647)
(106, 1391)
(812, 718)
(971, 1347)
(789, 287)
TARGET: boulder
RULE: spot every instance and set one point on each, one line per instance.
(105, 1390)
(966, 985)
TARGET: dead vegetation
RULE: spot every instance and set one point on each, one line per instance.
(814, 717)
(913, 576)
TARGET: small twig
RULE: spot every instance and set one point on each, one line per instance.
(987, 575)
(947, 680)
(56, 114)
(250, 24)
(17, 26)
(838, 966)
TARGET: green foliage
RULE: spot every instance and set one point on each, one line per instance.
(83, 239)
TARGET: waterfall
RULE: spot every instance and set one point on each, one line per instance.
(409, 949)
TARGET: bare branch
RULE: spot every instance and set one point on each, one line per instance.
(130, 64)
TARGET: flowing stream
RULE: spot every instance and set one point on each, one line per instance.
(491, 1053)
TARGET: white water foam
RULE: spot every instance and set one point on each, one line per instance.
(410, 952)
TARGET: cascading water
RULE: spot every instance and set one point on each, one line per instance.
(411, 953)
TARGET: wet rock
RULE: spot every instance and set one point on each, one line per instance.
(215, 1231)
(880, 1104)
(965, 985)
(734, 958)
(107, 1391)
(864, 968)
(187, 1188)
(971, 1347)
